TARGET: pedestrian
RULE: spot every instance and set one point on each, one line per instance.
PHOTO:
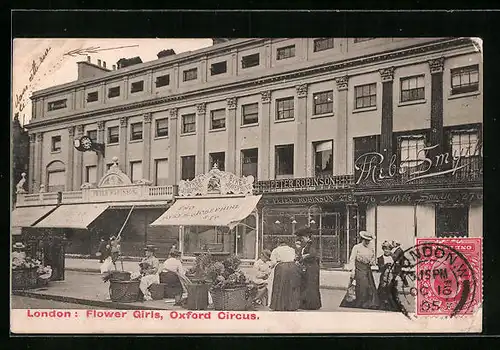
(102, 252)
(361, 260)
(397, 255)
(310, 293)
(298, 248)
(108, 266)
(261, 270)
(286, 279)
(385, 263)
(149, 271)
(114, 244)
(174, 276)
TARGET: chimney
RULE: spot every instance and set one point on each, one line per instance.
(103, 64)
(88, 59)
(99, 62)
(114, 66)
(165, 53)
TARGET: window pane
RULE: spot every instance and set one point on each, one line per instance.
(135, 171)
(412, 83)
(474, 77)
(455, 80)
(161, 172)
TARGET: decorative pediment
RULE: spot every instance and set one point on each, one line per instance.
(114, 176)
(216, 182)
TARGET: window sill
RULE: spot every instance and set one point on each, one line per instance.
(55, 152)
(365, 109)
(188, 133)
(217, 130)
(284, 120)
(249, 125)
(410, 103)
(464, 94)
(282, 177)
(113, 144)
(161, 137)
(135, 141)
(325, 115)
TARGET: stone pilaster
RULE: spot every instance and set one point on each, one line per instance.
(341, 138)
(387, 75)
(264, 159)
(436, 67)
(300, 152)
(146, 159)
(200, 131)
(122, 163)
(173, 159)
(39, 160)
(231, 126)
(71, 158)
(78, 175)
(31, 169)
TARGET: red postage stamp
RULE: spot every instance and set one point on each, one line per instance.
(448, 276)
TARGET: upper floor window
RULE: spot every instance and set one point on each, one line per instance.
(285, 108)
(188, 123)
(161, 172)
(56, 143)
(250, 113)
(465, 79)
(412, 88)
(188, 166)
(55, 105)
(323, 44)
(359, 40)
(161, 127)
(465, 144)
(218, 119)
(163, 80)
(218, 68)
(92, 134)
(285, 52)
(411, 151)
(114, 92)
(250, 61)
(323, 158)
(135, 171)
(284, 161)
(91, 174)
(92, 96)
(113, 134)
(249, 162)
(366, 95)
(323, 102)
(136, 131)
(190, 74)
(137, 86)
(217, 158)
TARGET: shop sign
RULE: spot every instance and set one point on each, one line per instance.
(120, 193)
(305, 184)
(423, 197)
(308, 199)
(370, 166)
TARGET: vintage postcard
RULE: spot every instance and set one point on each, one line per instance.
(257, 185)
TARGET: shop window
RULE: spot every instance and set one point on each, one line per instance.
(55, 105)
(452, 221)
(137, 86)
(114, 92)
(249, 162)
(135, 171)
(284, 161)
(250, 61)
(136, 131)
(56, 143)
(188, 123)
(199, 238)
(323, 44)
(56, 181)
(465, 144)
(285, 52)
(187, 167)
(190, 74)
(217, 158)
(92, 134)
(92, 96)
(113, 134)
(91, 174)
(323, 102)
(412, 88)
(285, 108)
(161, 172)
(250, 114)
(411, 151)
(218, 68)
(161, 127)
(323, 158)
(218, 119)
(162, 80)
(365, 95)
(465, 79)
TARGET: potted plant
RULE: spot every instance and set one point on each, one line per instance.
(25, 273)
(199, 272)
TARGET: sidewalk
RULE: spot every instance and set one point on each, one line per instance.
(329, 279)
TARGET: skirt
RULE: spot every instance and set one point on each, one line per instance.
(366, 292)
(172, 283)
(310, 294)
(286, 287)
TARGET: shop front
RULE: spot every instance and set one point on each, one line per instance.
(214, 212)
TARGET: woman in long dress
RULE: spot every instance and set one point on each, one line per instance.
(173, 275)
(385, 264)
(310, 293)
(361, 260)
(285, 291)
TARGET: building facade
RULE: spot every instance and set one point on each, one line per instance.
(344, 134)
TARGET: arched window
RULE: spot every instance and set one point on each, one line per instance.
(56, 176)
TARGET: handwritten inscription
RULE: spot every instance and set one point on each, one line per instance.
(450, 197)
(370, 165)
(190, 211)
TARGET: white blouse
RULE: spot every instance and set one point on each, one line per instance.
(362, 254)
(173, 265)
(282, 254)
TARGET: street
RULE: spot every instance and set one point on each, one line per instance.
(18, 302)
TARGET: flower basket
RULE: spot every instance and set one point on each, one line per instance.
(120, 276)
(124, 291)
(197, 296)
(24, 278)
(230, 299)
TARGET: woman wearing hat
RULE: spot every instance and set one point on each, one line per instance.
(385, 263)
(149, 271)
(174, 276)
(18, 254)
(361, 260)
(310, 294)
(262, 271)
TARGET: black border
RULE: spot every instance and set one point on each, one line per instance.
(308, 24)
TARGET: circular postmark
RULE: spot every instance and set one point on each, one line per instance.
(435, 279)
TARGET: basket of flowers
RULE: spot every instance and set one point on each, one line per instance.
(25, 273)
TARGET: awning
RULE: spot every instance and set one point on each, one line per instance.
(139, 205)
(78, 216)
(208, 211)
(27, 216)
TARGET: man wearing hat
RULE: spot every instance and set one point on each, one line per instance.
(149, 270)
